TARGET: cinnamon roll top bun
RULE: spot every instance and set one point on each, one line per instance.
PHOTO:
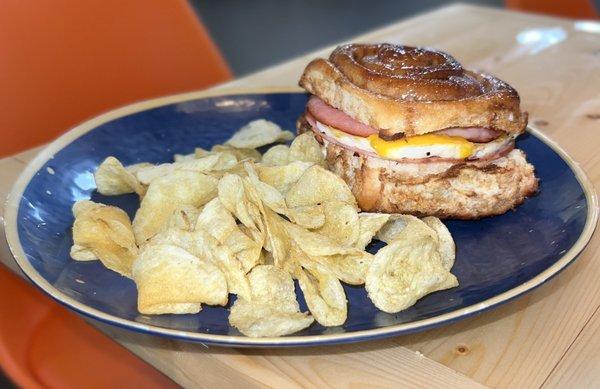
(406, 91)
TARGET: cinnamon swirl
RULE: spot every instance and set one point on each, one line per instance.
(412, 131)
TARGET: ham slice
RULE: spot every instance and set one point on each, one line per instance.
(472, 134)
(335, 118)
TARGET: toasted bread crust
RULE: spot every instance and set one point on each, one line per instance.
(469, 190)
(498, 109)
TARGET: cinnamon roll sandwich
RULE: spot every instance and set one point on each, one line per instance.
(411, 131)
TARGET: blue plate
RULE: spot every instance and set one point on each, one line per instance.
(498, 258)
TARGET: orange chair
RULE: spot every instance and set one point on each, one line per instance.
(62, 62)
(574, 9)
(44, 345)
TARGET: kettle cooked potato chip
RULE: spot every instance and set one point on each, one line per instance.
(324, 295)
(203, 245)
(273, 310)
(341, 223)
(258, 133)
(368, 226)
(170, 279)
(167, 193)
(112, 178)
(283, 177)
(202, 165)
(394, 226)
(408, 268)
(317, 186)
(217, 220)
(276, 156)
(445, 241)
(105, 232)
(306, 148)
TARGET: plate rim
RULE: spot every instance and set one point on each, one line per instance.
(12, 206)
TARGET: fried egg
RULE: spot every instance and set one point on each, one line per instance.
(415, 147)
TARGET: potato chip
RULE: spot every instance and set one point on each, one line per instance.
(170, 279)
(324, 295)
(112, 178)
(166, 194)
(267, 194)
(446, 245)
(283, 177)
(205, 164)
(273, 310)
(316, 244)
(394, 226)
(307, 216)
(408, 268)
(306, 148)
(369, 225)
(350, 268)
(183, 218)
(225, 161)
(136, 167)
(105, 232)
(81, 253)
(199, 152)
(233, 196)
(277, 237)
(82, 206)
(217, 220)
(184, 157)
(276, 156)
(271, 285)
(317, 186)
(254, 199)
(341, 223)
(258, 133)
(241, 154)
(261, 320)
(203, 245)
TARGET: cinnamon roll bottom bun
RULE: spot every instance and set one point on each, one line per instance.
(411, 131)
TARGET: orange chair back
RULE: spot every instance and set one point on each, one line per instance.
(44, 345)
(64, 61)
(575, 9)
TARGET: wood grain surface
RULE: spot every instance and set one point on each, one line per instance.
(549, 338)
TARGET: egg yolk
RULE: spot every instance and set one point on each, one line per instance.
(386, 148)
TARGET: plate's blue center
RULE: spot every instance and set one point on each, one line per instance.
(493, 255)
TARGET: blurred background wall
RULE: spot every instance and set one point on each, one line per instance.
(258, 33)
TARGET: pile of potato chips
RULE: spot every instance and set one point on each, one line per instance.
(231, 220)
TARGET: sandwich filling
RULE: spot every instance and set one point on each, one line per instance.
(454, 144)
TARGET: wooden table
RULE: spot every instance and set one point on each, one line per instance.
(548, 338)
